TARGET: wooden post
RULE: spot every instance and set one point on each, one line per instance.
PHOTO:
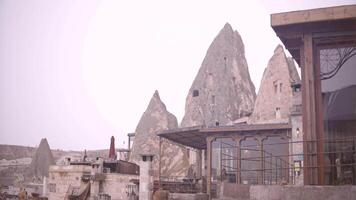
(238, 160)
(319, 118)
(209, 141)
(129, 143)
(308, 103)
(261, 179)
(221, 160)
(199, 163)
(159, 163)
(306, 106)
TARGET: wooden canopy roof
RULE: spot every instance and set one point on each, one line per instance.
(291, 26)
(195, 137)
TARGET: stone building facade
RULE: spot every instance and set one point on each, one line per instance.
(93, 180)
(61, 178)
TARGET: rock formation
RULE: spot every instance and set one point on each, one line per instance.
(274, 99)
(42, 159)
(156, 118)
(222, 90)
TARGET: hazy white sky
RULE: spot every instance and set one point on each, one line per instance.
(77, 72)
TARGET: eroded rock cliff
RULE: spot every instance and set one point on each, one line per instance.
(222, 90)
(274, 99)
(155, 119)
(42, 159)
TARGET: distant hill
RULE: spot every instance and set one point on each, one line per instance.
(13, 152)
(15, 161)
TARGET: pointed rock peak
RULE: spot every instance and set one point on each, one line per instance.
(227, 27)
(156, 95)
(156, 101)
(222, 91)
(278, 49)
(44, 146)
(227, 31)
(43, 143)
(42, 159)
(155, 119)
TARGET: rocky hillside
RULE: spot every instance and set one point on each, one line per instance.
(16, 152)
(222, 90)
(12, 152)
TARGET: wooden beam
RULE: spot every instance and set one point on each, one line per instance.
(293, 43)
(314, 15)
(296, 31)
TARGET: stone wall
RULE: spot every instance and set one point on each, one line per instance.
(187, 196)
(303, 192)
(115, 185)
(61, 177)
(277, 192)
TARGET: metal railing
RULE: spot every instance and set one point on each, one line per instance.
(338, 162)
(178, 184)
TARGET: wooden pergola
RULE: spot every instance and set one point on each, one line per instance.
(304, 33)
(201, 138)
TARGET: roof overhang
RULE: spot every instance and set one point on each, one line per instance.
(195, 137)
(322, 22)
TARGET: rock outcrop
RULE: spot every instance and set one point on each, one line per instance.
(274, 99)
(156, 118)
(42, 159)
(222, 90)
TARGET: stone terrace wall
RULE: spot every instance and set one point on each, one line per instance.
(277, 192)
(115, 185)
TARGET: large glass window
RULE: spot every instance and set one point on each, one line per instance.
(224, 160)
(276, 163)
(338, 88)
(250, 161)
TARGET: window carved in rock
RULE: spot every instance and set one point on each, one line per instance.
(195, 93)
(277, 85)
(278, 112)
(213, 99)
(52, 187)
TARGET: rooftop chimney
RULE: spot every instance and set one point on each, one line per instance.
(112, 152)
